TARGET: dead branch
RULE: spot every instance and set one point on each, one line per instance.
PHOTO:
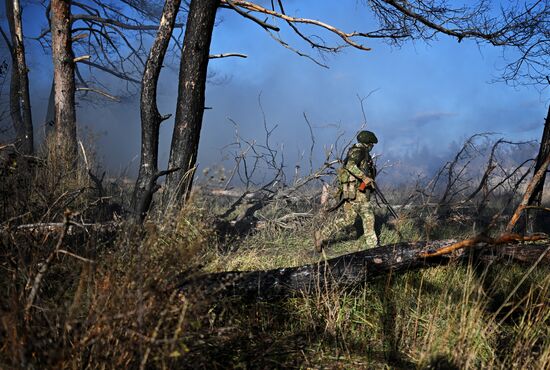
(506, 178)
(113, 72)
(76, 256)
(227, 55)
(540, 208)
(263, 24)
(483, 240)
(454, 177)
(100, 92)
(488, 170)
(347, 37)
(134, 27)
(45, 265)
(308, 39)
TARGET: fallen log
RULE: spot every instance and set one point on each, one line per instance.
(352, 269)
(73, 227)
(44, 228)
(76, 234)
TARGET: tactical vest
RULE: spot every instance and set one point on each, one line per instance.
(348, 183)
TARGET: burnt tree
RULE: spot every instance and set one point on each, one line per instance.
(151, 119)
(191, 96)
(544, 151)
(20, 105)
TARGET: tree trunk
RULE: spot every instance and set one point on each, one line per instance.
(350, 269)
(190, 105)
(20, 105)
(533, 216)
(150, 117)
(64, 83)
(544, 150)
(537, 176)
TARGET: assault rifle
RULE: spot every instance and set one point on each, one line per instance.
(363, 186)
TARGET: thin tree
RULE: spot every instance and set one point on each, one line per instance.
(20, 105)
(151, 119)
(64, 141)
(191, 95)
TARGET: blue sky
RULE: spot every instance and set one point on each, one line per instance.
(423, 98)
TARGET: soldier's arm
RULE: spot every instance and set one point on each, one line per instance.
(353, 163)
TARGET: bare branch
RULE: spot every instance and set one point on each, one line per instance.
(307, 39)
(100, 92)
(110, 71)
(296, 51)
(227, 55)
(263, 24)
(143, 27)
(346, 37)
(165, 172)
(81, 58)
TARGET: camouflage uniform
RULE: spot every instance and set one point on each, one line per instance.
(357, 167)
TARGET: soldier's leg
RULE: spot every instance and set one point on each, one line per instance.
(339, 228)
(367, 215)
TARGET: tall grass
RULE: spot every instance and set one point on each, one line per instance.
(110, 301)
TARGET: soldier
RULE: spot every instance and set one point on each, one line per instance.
(356, 183)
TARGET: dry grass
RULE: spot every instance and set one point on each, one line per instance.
(112, 302)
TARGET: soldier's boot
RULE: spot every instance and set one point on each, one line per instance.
(318, 241)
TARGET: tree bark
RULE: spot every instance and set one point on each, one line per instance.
(544, 151)
(190, 104)
(350, 269)
(20, 105)
(151, 119)
(64, 83)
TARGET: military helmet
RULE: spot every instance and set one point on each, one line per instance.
(367, 137)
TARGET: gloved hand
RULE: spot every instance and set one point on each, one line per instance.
(366, 183)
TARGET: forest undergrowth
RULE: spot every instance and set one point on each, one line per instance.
(75, 296)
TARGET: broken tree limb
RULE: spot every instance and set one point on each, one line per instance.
(55, 226)
(481, 240)
(43, 229)
(350, 269)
